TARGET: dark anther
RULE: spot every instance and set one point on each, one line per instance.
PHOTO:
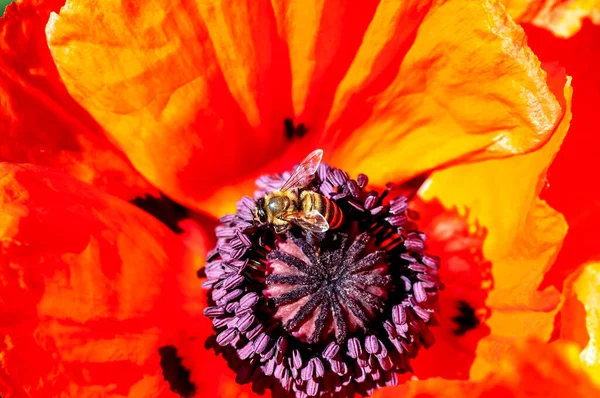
(174, 373)
(292, 130)
(163, 209)
(466, 319)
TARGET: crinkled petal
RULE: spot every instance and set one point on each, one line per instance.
(40, 122)
(524, 235)
(89, 290)
(570, 187)
(580, 317)
(529, 370)
(193, 91)
(562, 17)
(439, 85)
(187, 84)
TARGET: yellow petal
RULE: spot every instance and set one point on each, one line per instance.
(562, 17)
(437, 85)
(583, 289)
(524, 236)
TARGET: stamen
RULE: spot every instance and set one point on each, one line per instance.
(330, 314)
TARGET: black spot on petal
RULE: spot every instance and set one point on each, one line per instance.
(163, 209)
(466, 319)
(291, 130)
(175, 373)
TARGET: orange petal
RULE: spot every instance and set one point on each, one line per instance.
(89, 290)
(40, 122)
(524, 236)
(562, 17)
(581, 316)
(194, 92)
(571, 189)
(431, 86)
(529, 369)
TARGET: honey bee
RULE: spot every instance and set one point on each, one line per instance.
(292, 205)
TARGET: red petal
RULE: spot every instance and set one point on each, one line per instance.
(467, 281)
(40, 122)
(572, 177)
(529, 370)
(89, 290)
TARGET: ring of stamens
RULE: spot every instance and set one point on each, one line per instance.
(327, 314)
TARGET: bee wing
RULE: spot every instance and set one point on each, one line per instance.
(305, 172)
(311, 221)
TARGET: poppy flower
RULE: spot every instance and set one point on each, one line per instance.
(178, 107)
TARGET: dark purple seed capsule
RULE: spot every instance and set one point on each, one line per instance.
(362, 180)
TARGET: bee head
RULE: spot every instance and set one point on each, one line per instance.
(259, 212)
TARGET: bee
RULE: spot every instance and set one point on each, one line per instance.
(293, 205)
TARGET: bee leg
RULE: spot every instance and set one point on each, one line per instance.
(280, 229)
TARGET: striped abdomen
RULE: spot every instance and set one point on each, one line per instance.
(310, 200)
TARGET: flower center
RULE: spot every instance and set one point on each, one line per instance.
(326, 288)
(321, 313)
